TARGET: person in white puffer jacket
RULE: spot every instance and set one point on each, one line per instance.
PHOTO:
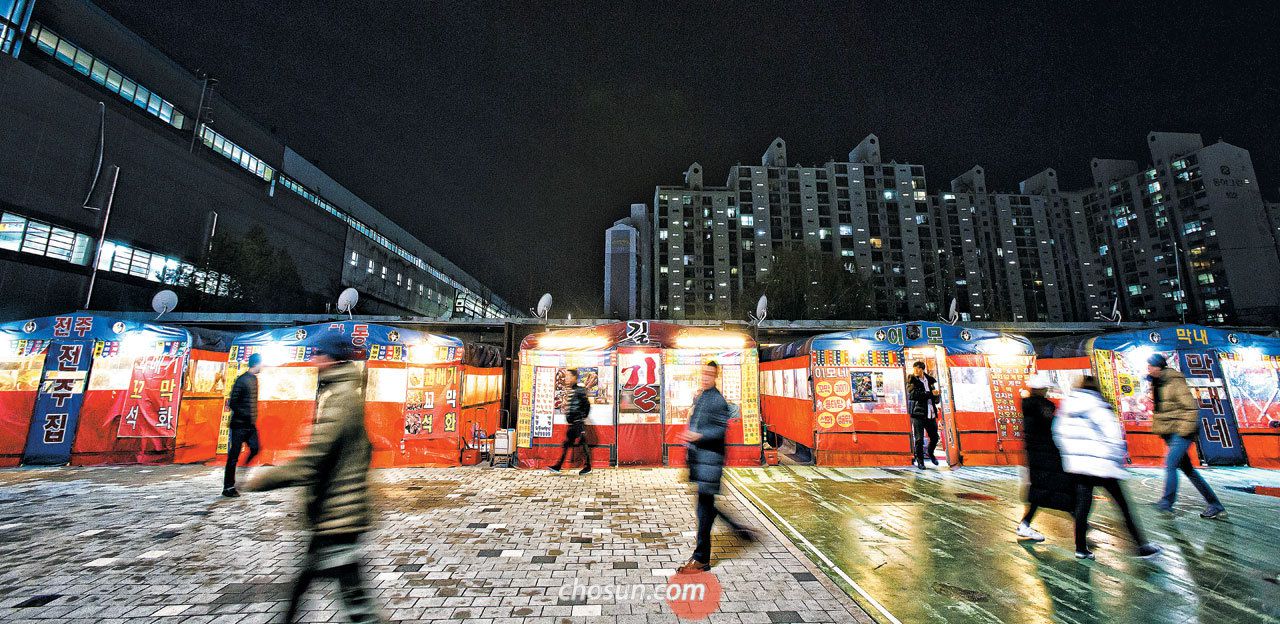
(1091, 441)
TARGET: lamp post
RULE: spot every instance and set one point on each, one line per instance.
(102, 234)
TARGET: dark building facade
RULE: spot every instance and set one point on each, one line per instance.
(82, 97)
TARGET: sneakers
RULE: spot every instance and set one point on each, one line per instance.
(1146, 551)
(586, 470)
(934, 459)
(1026, 532)
(1084, 554)
(693, 567)
(231, 492)
(747, 535)
(1163, 508)
(1214, 512)
(919, 464)
(553, 469)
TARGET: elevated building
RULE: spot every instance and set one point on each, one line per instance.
(81, 95)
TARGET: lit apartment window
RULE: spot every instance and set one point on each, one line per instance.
(399, 280)
(96, 70)
(236, 154)
(355, 258)
(384, 271)
(369, 270)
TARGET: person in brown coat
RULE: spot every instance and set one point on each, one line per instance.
(334, 469)
(1176, 418)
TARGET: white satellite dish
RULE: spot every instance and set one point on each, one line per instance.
(953, 316)
(762, 310)
(544, 306)
(347, 301)
(164, 302)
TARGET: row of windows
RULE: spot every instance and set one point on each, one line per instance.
(85, 63)
(357, 225)
(154, 267)
(236, 154)
(18, 233)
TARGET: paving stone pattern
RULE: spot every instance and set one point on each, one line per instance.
(156, 544)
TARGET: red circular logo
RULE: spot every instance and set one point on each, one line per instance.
(693, 596)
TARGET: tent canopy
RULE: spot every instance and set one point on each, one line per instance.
(373, 341)
(90, 327)
(639, 333)
(957, 341)
(1165, 338)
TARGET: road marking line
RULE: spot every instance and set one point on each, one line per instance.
(813, 549)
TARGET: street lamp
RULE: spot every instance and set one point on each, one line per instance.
(102, 234)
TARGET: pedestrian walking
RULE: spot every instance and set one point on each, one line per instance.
(1048, 485)
(334, 469)
(1176, 418)
(705, 441)
(576, 410)
(923, 397)
(243, 426)
(1092, 444)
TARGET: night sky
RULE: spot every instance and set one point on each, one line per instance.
(509, 140)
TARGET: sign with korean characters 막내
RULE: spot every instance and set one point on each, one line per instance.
(149, 409)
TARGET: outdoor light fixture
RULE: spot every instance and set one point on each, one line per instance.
(1138, 357)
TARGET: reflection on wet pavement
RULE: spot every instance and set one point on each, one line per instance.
(939, 546)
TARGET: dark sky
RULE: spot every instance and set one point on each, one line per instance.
(509, 139)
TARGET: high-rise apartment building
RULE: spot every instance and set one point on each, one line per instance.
(80, 94)
(1156, 243)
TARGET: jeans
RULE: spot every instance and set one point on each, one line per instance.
(335, 557)
(1179, 459)
(1084, 504)
(707, 514)
(576, 436)
(920, 426)
(238, 437)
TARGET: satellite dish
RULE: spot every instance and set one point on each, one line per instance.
(347, 301)
(762, 310)
(544, 306)
(164, 302)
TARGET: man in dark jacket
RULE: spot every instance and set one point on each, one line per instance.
(1049, 486)
(334, 469)
(706, 450)
(1176, 418)
(244, 423)
(922, 403)
(576, 410)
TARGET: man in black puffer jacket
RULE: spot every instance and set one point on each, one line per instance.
(243, 404)
(576, 410)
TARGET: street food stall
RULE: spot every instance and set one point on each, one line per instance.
(843, 396)
(427, 396)
(642, 378)
(1235, 376)
(87, 389)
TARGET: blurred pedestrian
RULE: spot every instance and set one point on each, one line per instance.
(705, 441)
(1176, 418)
(334, 469)
(923, 397)
(1092, 444)
(1048, 485)
(243, 426)
(576, 411)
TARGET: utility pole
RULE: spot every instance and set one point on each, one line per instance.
(204, 89)
(102, 234)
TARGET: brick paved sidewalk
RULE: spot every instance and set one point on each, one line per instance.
(156, 544)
